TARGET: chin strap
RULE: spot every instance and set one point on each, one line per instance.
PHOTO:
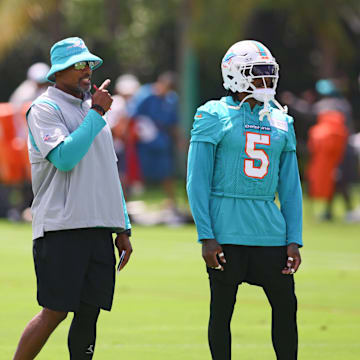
(284, 108)
(266, 111)
(245, 98)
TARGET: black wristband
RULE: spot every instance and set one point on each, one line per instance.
(98, 107)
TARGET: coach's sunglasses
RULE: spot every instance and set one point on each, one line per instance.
(81, 65)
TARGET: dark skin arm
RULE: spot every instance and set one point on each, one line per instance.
(211, 248)
(292, 265)
(122, 242)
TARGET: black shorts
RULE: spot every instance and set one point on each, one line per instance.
(255, 265)
(73, 266)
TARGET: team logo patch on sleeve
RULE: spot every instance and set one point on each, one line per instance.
(47, 137)
(198, 116)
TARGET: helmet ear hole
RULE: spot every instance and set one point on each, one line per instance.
(230, 77)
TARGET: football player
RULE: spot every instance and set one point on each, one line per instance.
(243, 152)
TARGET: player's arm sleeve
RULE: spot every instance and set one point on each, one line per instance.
(199, 176)
(290, 196)
(207, 126)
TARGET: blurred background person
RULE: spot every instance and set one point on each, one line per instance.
(327, 123)
(34, 85)
(154, 109)
(124, 134)
(302, 107)
(332, 165)
(16, 193)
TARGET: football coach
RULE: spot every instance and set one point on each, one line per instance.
(78, 203)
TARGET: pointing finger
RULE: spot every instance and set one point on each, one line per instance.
(105, 84)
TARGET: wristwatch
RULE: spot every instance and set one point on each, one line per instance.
(99, 108)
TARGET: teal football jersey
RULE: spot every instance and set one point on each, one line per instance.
(248, 150)
(232, 187)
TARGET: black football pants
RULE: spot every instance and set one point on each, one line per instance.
(259, 266)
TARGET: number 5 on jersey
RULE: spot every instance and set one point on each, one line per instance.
(258, 172)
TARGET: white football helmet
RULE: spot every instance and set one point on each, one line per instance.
(248, 60)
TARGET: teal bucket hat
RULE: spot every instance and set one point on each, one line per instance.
(67, 52)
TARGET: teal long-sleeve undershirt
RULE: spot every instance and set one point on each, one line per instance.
(198, 185)
(69, 153)
(290, 196)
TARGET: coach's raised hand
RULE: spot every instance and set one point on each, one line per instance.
(102, 98)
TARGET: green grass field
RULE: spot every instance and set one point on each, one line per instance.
(161, 301)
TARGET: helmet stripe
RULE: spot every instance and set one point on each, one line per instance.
(261, 49)
(228, 57)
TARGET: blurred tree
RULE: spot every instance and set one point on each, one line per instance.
(312, 40)
(323, 22)
(16, 17)
(313, 34)
(136, 36)
(214, 27)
